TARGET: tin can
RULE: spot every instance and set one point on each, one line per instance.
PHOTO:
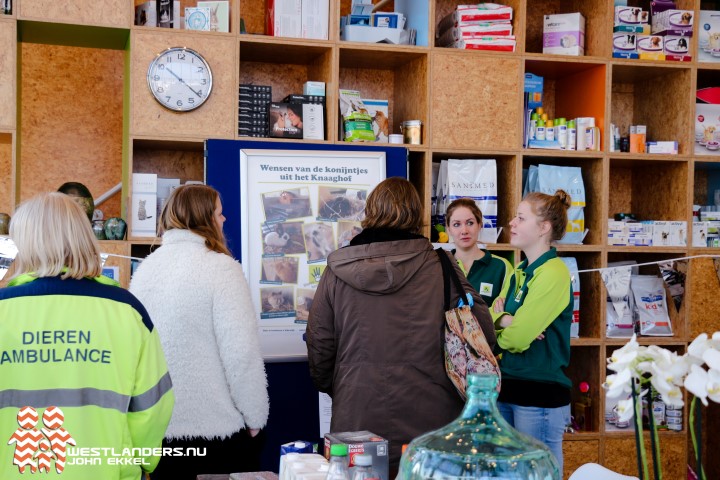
(412, 132)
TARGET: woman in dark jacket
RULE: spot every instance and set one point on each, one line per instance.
(375, 330)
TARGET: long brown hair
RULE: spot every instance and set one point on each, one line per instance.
(551, 208)
(192, 207)
(468, 203)
(395, 204)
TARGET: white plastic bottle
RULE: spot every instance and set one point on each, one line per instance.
(572, 135)
(550, 131)
(338, 463)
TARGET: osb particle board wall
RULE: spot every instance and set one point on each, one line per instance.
(8, 34)
(105, 13)
(71, 119)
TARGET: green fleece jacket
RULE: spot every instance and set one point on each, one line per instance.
(540, 299)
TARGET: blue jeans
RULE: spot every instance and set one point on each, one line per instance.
(544, 424)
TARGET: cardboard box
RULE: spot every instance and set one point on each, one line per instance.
(625, 42)
(315, 19)
(643, 29)
(673, 19)
(143, 208)
(378, 110)
(707, 129)
(146, 14)
(625, 15)
(533, 88)
(669, 234)
(675, 44)
(708, 36)
(564, 34)
(219, 15)
(284, 18)
(637, 143)
(667, 148)
(313, 121)
(651, 44)
(626, 55)
(363, 33)
(359, 443)
(285, 120)
(314, 88)
(699, 234)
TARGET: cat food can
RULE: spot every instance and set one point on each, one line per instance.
(412, 131)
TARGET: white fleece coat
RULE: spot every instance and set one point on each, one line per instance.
(200, 303)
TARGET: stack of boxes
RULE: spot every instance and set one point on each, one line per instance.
(253, 110)
(485, 26)
(364, 25)
(663, 33)
(297, 18)
(647, 233)
(564, 34)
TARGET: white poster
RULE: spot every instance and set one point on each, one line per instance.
(297, 207)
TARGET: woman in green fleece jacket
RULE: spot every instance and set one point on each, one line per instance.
(532, 318)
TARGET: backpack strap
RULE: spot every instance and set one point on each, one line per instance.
(450, 274)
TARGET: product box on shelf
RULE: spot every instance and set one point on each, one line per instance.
(669, 234)
(314, 22)
(143, 205)
(667, 147)
(651, 46)
(378, 110)
(673, 20)
(707, 129)
(284, 18)
(314, 88)
(625, 42)
(700, 234)
(625, 15)
(219, 15)
(564, 34)
(708, 33)
(362, 442)
(146, 14)
(643, 29)
(285, 120)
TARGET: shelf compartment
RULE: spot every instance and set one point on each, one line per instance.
(585, 367)
(233, 17)
(398, 75)
(652, 190)
(65, 89)
(110, 13)
(416, 13)
(214, 119)
(710, 114)
(678, 317)
(285, 66)
(169, 159)
(461, 103)
(592, 295)
(7, 180)
(508, 189)
(703, 294)
(598, 24)
(123, 264)
(444, 7)
(641, 92)
(592, 174)
(419, 175)
(571, 89)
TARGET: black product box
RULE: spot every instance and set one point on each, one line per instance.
(244, 87)
(285, 120)
(296, 98)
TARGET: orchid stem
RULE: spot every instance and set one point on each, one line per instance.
(654, 441)
(639, 440)
(695, 431)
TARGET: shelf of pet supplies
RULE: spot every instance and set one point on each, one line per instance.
(565, 59)
(675, 343)
(708, 66)
(584, 341)
(281, 140)
(573, 247)
(543, 152)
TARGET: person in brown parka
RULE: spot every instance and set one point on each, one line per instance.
(376, 326)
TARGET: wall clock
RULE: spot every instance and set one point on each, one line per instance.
(180, 79)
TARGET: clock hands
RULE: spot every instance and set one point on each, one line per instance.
(183, 82)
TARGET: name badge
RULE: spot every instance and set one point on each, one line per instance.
(486, 289)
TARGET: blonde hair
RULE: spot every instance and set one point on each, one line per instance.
(192, 207)
(52, 234)
(551, 208)
(394, 203)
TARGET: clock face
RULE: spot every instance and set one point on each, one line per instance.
(180, 79)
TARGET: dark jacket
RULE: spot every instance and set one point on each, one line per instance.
(375, 339)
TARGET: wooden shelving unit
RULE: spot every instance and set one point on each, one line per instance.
(470, 104)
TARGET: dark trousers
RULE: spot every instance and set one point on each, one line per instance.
(238, 453)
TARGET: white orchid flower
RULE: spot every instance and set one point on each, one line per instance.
(618, 384)
(701, 344)
(623, 357)
(712, 358)
(696, 383)
(713, 385)
(625, 410)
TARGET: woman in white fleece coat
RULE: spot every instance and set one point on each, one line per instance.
(200, 303)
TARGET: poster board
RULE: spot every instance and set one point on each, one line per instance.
(274, 204)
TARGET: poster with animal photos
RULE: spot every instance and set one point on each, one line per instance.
(298, 208)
